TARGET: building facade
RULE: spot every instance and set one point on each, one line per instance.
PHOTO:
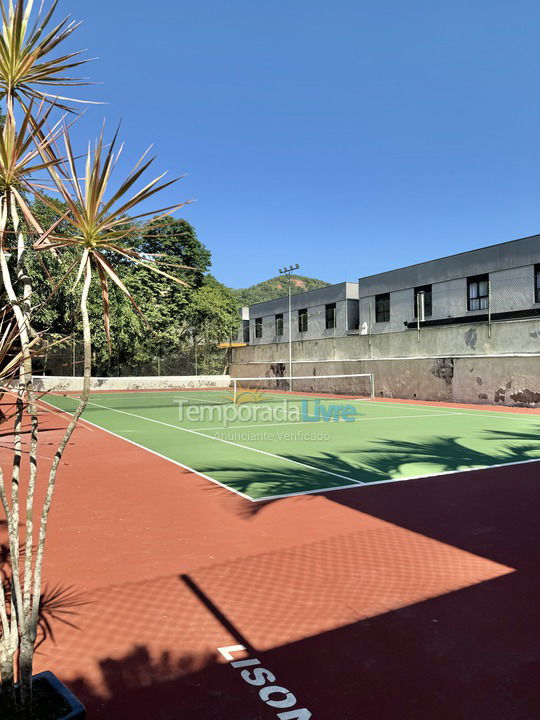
(477, 339)
(493, 284)
(324, 313)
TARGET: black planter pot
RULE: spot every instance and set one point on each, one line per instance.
(51, 700)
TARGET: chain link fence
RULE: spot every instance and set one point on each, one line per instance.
(66, 359)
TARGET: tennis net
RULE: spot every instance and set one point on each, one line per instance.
(230, 390)
(351, 385)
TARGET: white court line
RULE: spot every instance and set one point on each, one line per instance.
(498, 415)
(328, 423)
(463, 411)
(229, 442)
(445, 410)
(302, 492)
(159, 455)
(400, 479)
(424, 408)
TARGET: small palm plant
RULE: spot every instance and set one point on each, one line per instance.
(98, 216)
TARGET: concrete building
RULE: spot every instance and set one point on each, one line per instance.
(497, 283)
(328, 312)
(479, 341)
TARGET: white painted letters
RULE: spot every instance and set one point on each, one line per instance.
(266, 693)
(274, 696)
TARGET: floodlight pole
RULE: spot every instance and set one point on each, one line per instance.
(420, 312)
(287, 271)
(489, 307)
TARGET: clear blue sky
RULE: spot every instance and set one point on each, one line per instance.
(348, 136)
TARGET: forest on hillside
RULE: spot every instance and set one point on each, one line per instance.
(276, 287)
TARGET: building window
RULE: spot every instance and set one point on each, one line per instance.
(302, 320)
(245, 324)
(426, 289)
(382, 307)
(330, 313)
(279, 324)
(537, 283)
(478, 292)
(258, 327)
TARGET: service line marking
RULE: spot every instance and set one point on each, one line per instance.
(356, 483)
(230, 442)
(328, 423)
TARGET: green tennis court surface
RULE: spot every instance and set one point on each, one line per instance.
(316, 443)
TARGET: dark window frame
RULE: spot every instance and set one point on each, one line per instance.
(477, 300)
(330, 316)
(537, 283)
(428, 299)
(382, 307)
(302, 320)
(258, 327)
(279, 324)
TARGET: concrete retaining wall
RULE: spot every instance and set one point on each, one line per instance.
(452, 364)
(506, 381)
(74, 384)
(507, 338)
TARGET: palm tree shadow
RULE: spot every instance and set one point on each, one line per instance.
(533, 437)
(327, 470)
(448, 453)
(383, 459)
(140, 685)
(58, 603)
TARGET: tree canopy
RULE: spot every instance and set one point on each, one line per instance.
(172, 323)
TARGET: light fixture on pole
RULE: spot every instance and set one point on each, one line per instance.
(287, 271)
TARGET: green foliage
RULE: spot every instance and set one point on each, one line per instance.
(276, 287)
(178, 240)
(176, 316)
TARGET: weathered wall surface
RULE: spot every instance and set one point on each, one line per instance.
(507, 381)
(75, 384)
(454, 364)
(507, 338)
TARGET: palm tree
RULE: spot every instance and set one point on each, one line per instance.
(100, 232)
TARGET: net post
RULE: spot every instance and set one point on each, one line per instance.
(372, 384)
(234, 391)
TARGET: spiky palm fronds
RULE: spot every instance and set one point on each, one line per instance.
(100, 225)
(11, 353)
(22, 151)
(26, 68)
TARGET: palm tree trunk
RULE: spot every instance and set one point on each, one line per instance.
(27, 648)
(18, 619)
(8, 639)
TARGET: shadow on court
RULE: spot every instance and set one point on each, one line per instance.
(59, 604)
(463, 655)
(472, 653)
(381, 460)
(413, 600)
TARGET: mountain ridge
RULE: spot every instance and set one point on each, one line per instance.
(276, 287)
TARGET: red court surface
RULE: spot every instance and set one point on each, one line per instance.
(417, 599)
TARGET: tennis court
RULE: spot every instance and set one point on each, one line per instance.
(278, 443)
